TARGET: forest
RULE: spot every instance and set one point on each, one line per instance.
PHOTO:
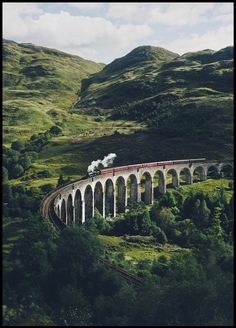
(59, 280)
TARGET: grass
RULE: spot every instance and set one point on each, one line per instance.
(41, 86)
(208, 186)
(135, 78)
(72, 152)
(37, 82)
(145, 249)
(12, 231)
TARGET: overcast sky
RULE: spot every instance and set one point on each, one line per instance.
(105, 31)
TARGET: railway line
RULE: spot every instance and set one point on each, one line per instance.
(47, 210)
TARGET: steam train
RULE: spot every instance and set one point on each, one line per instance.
(144, 165)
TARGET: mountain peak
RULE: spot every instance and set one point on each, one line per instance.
(140, 55)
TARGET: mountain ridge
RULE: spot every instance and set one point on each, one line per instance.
(135, 75)
(39, 84)
(189, 95)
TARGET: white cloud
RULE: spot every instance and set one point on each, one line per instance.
(131, 12)
(181, 14)
(14, 24)
(121, 28)
(223, 8)
(93, 37)
(86, 5)
(215, 40)
(170, 14)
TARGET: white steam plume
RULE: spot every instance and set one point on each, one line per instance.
(107, 160)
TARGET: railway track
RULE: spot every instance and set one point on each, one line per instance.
(47, 210)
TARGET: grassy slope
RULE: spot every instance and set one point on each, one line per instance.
(209, 186)
(125, 79)
(39, 87)
(199, 85)
(152, 74)
(86, 138)
(137, 251)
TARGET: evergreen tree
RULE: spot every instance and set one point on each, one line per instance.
(17, 170)
(60, 181)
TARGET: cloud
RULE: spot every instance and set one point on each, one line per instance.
(131, 12)
(181, 14)
(86, 5)
(214, 39)
(95, 38)
(14, 18)
(172, 14)
(120, 27)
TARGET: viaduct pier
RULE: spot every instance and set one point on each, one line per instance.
(113, 189)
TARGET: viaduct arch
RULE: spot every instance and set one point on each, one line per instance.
(111, 191)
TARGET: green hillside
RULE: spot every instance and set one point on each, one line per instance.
(159, 104)
(187, 98)
(124, 80)
(39, 86)
(151, 74)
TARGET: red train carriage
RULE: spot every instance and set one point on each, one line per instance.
(134, 167)
(152, 164)
(164, 163)
(121, 169)
(108, 171)
(149, 164)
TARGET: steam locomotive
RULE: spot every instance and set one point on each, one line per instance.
(91, 174)
(189, 162)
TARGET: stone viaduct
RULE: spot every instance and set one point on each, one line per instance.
(112, 190)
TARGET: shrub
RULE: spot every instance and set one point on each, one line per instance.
(17, 170)
(18, 145)
(160, 235)
(25, 161)
(47, 187)
(55, 130)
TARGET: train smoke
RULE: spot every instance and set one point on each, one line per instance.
(107, 160)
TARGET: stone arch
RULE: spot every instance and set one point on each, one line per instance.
(63, 210)
(185, 176)
(109, 198)
(88, 198)
(146, 188)
(69, 209)
(98, 197)
(120, 195)
(159, 183)
(172, 179)
(212, 172)
(199, 174)
(78, 206)
(226, 171)
(132, 189)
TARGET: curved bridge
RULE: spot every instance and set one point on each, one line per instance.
(114, 188)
